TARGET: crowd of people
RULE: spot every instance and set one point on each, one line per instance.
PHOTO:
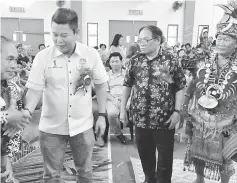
(152, 85)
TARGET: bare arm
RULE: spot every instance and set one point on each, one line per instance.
(101, 95)
(179, 97)
(125, 96)
(32, 99)
(189, 93)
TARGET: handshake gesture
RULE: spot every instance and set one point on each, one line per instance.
(16, 120)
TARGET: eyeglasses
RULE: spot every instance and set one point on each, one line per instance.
(144, 41)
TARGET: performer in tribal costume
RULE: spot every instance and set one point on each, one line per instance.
(211, 102)
(11, 118)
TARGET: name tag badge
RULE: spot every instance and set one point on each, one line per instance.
(55, 65)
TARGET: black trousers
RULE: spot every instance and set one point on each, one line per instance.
(147, 141)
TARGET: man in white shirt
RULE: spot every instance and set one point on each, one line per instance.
(63, 74)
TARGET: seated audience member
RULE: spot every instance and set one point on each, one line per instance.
(115, 85)
(165, 46)
(29, 54)
(103, 47)
(188, 48)
(41, 47)
(181, 53)
(177, 44)
(22, 57)
(104, 54)
(189, 51)
(19, 48)
(132, 50)
(175, 50)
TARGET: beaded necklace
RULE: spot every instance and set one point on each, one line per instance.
(216, 80)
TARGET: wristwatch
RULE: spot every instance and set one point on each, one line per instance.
(176, 110)
(102, 114)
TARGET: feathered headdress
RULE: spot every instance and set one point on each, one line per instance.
(228, 23)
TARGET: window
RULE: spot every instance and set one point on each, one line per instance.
(172, 34)
(201, 29)
(92, 34)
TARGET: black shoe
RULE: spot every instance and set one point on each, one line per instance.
(122, 139)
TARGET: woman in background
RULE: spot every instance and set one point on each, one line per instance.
(117, 45)
(104, 55)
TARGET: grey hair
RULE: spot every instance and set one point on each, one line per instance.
(4, 41)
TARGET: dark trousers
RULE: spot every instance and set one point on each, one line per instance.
(147, 141)
(53, 149)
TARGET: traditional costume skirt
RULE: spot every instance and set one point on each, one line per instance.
(204, 153)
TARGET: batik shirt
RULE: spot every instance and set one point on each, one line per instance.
(155, 83)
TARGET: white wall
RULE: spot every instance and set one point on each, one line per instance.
(206, 13)
(101, 12)
(36, 9)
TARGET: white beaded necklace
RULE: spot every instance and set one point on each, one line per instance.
(213, 87)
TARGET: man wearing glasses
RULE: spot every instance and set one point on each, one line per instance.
(158, 88)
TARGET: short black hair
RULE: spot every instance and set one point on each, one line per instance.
(102, 45)
(66, 16)
(41, 45)
(156, 32)
(96, 47)
(19, 45)
(188, 44)
(115, 54)
(180, 51)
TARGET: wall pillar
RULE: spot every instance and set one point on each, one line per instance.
(77, 7)
(189, 11)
